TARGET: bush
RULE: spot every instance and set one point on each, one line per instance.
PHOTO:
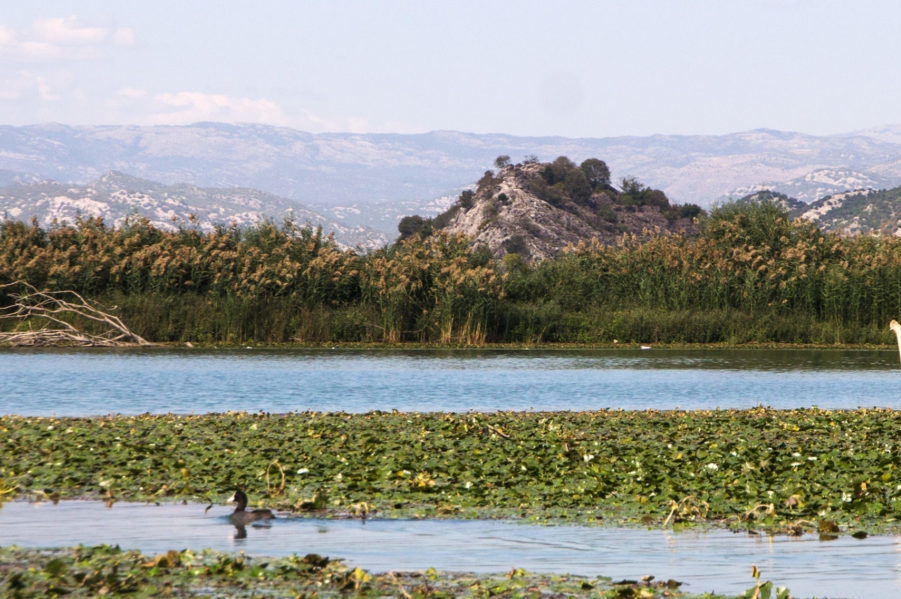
(679, 211)
(414, 225)
(556, 171)
(576, 186)
(596, 172)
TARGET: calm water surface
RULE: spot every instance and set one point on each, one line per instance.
(706, 561)
(184, 381)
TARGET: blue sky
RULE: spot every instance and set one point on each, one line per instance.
(573, 68)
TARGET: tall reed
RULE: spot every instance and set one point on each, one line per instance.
(752, 274)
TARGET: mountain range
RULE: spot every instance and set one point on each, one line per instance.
(114, 197)
(375, 179)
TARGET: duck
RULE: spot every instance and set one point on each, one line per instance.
(240, 516)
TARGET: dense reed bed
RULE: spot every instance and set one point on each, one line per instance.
(752, 275)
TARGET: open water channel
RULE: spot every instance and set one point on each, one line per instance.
(77, 383)
(714, 560)
(184, 381)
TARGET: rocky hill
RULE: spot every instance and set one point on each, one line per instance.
(793, 206)
(537, 209)
(865, 211)
(861, 211)
(116, 196)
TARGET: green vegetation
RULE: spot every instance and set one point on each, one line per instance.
(791, 470)
(751, 275)
(109, 571)
(864, 211)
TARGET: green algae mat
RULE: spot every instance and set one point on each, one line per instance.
(793, 470)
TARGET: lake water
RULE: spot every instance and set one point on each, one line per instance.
(56, 382)
(68, 383)
(705, 561)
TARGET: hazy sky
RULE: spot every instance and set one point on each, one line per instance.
(578, 68)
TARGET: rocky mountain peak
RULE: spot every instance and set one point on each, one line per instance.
(537, 209)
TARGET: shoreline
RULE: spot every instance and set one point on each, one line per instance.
(351, 345)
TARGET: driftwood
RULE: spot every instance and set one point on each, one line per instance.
(50, 309)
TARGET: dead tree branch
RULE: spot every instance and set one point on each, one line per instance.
(52, 310)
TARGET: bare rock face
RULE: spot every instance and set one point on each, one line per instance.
(529, 210)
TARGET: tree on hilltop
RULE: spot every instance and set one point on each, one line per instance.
(596, 172)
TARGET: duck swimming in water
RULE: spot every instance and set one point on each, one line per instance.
(241, 516)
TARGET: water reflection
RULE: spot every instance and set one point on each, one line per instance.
(717, 561)
(158, 381)
(241, 529)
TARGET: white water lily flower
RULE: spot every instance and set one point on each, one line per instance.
(712, 466)
(846, 497)
(303, 470)
(587, 457)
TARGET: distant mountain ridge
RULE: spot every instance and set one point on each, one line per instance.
(116, 196)
(375, 179)
(820, 183)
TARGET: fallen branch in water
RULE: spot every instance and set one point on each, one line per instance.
(497, 431)
(50, 309)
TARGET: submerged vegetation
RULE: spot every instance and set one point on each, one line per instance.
(751, 275)
(794, 470)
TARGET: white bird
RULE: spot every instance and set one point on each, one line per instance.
(894, 326)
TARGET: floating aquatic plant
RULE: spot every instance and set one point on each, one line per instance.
(81, 572)
(774, 468)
